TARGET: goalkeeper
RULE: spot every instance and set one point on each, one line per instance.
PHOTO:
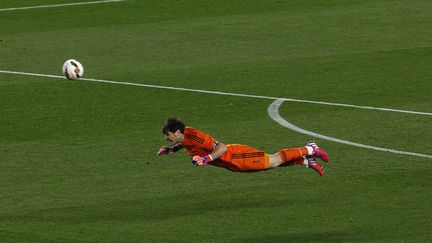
(205, 150)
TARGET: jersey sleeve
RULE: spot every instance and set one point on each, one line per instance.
(201, 140)
(209, 142)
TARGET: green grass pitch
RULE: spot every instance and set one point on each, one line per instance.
(78, 159)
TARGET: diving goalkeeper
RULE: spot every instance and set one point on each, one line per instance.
(205, 150)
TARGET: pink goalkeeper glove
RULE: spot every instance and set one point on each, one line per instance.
(198, 160)
(165, 150)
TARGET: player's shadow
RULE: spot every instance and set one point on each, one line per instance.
(308, 236)
(162, 208)
(172, 207)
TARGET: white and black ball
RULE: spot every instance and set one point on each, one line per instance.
(72, 69)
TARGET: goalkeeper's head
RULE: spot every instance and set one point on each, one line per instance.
(173, 130)
(172, 124)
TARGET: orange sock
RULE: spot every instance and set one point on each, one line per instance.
(298, 161)
(292, 154)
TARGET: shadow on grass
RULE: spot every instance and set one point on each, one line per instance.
(329, 236)
(153, 209)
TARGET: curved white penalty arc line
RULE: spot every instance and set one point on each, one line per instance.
(273, 112)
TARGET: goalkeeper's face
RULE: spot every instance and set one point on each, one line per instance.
(174, 137)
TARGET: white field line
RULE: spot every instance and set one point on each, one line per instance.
(273, 112)
(273, 109)
(221, 93)
(58, 5)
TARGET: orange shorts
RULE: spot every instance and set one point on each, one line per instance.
(242, 158)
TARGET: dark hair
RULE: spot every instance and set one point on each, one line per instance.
(172, 124)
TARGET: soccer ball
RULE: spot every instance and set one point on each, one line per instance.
(72, 69)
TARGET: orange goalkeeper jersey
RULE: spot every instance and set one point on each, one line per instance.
(197, 142)
(238, 157)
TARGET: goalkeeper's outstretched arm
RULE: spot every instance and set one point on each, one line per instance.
(165, 150)
(218, 150)
(176, 147)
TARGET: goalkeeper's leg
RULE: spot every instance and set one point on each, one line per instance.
(287, 155)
